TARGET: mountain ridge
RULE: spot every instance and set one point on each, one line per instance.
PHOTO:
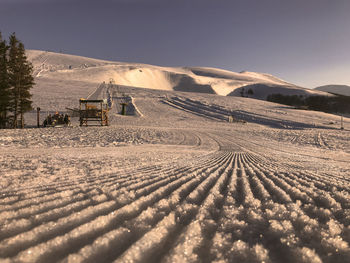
(58, 66)
(336, 89)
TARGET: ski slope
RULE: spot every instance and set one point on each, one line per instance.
(52, 68)
(174, 181)
(215, 200)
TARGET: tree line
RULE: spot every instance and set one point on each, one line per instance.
(16, 80)
(330, 104)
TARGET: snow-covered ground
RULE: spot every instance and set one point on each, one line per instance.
(174, 181)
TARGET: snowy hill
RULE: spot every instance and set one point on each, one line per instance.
(173, 180)
(337, 89)
(57, 67)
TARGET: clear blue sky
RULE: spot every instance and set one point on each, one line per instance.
(306, 42)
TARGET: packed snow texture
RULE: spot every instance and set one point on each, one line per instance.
(174, 181)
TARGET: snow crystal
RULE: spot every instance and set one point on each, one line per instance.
(307, 255)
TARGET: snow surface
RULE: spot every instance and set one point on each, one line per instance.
(58, 67)
(174, 181)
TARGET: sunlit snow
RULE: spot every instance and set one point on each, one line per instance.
(172, 181)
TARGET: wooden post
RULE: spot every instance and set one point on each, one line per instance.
(101, 113)
(341, 123)
(38, 116)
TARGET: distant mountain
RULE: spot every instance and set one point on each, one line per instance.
(50, 67)
(337, 89)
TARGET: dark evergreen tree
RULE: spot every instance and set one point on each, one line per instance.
(250, 92)
(27, 82)
(14, 79)
(21, 81)
(4, 84)
(242, 92)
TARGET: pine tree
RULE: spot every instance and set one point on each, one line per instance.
(242, 92)
(21, 81)
(27, 82)
(250, 92)
(4, 83)
(14, 79)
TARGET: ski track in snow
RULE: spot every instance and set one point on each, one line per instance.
(222, 205)
(193, 189)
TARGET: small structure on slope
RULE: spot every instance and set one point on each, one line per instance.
(93, 111)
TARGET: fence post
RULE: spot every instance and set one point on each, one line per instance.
(341, 123)
(38, 116)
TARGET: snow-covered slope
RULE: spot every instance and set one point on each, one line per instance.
(55, 66)
(175, 182)
(337, 89)
(178, 183)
